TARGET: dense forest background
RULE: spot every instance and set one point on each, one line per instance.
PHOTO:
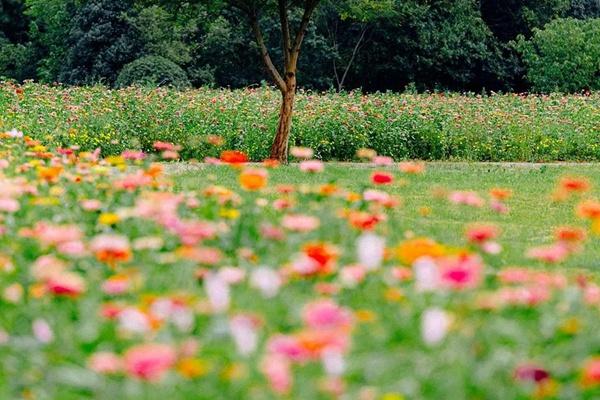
(465, 45)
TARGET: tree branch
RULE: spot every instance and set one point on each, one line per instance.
(309, 8)
(265, 54)
(285, 31)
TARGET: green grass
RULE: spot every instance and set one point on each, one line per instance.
(530, 222)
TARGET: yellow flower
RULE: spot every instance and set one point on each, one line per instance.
(108, 219)
(229, 213)
(365, 316)
(192, 367)
(392, 396)
(234, 372)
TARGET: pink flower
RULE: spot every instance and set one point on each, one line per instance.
(278, 371)
(300, 223)
(42, 331)
(105, 363)
(326, 314)
(287, 346)
(352, 275)
(383, 161)
(9, 205)
(461, 272)
(91, 205)
(312, 166)
(531, 372)
(134, 155)
(149, 361)
(466, 198)
(552, 254)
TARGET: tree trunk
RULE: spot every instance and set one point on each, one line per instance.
(279, 149)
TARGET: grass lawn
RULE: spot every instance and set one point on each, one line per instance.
(531, 220)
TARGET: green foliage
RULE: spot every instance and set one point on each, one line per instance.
(152, 71)
(14, 61)
(436, 127)
(101, 43)
(564, 56)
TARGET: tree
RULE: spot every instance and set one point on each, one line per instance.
(286, 80)
(101, 42)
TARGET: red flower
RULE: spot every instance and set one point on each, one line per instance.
(382, 178)
(234, 157)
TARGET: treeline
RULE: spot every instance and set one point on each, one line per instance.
(466, 45)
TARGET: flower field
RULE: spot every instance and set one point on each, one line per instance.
(121, 279)
(441, 126)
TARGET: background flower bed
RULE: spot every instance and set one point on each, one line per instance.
(433, 127)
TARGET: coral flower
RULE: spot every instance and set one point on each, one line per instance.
(481, 233)
(589, 209)
(411, 250)
(318, 259)
(149, 361)
(574, 185)
(253, 179)
(302, 152)
(382, 178)
(111, 248)
(569, 234)
(66, 284)
(590, 374)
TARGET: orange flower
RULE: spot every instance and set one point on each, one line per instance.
(363, 220)
(500, 193)
(411, 250)
(49, 174)
(589, 209)
(253, 179)
(412, 167)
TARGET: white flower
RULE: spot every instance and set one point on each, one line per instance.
(244, 333)
(427, 276)
(217, 291)
(370, 248)
(132, 320)
(266, 280)
(333, 362)
(434, 325)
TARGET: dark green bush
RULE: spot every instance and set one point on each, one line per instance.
(152, 71)
(564, 56)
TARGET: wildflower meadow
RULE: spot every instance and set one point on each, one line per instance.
(130, 277)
